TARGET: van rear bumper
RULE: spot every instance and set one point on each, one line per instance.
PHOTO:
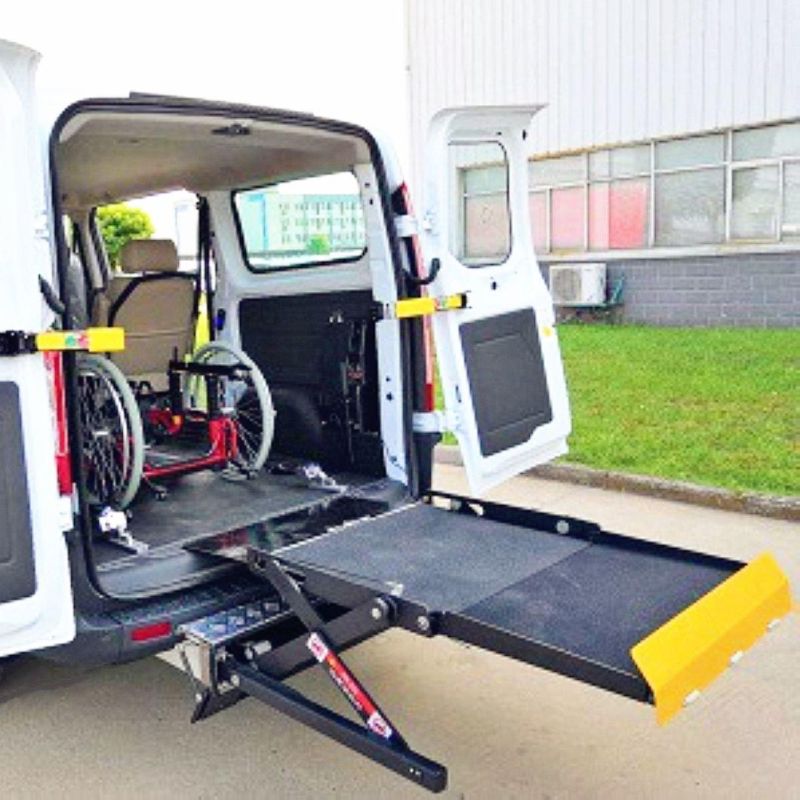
(143, 629)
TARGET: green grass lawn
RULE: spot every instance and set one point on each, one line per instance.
(719, 407)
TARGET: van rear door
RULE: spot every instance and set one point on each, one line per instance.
(498, 355)
(35, 591)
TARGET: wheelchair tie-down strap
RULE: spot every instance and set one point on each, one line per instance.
(688, 652)
(424, 306)
(92, 340)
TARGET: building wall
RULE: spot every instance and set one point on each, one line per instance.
(616, 72)
(610, 71)
(759, 290)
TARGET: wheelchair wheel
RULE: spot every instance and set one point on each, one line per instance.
(246, 399)
(111, 431)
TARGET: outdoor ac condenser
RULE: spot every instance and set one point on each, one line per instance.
(578, 284)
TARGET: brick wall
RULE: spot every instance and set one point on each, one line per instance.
(743, 290)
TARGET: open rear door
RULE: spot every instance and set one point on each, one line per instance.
(498, 356)
(35, 592)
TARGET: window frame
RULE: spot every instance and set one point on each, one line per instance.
(728, 244)
(289, 267)
(464, 196)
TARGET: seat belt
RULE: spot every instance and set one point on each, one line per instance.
(204, 263)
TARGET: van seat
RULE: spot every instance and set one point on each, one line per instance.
(155, 304)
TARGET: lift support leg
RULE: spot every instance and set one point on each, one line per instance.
(379, 739)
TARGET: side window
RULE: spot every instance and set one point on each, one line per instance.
(301, 223)
(480, 224)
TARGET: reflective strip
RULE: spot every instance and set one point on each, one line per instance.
(93, 340)
(687, 653)
(424, 306)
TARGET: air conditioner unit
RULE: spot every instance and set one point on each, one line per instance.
(578, 284)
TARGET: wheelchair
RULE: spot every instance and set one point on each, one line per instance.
(216, 414)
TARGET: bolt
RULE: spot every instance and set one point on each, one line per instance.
(235, 680)
(423, 623)
(562, 526)
(380, 609)
(198, 698)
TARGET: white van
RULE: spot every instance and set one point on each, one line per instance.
(142, 507)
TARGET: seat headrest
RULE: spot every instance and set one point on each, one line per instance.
(149, 255)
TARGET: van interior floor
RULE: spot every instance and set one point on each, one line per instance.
(208, 503)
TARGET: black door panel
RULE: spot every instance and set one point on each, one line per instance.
(17, 570)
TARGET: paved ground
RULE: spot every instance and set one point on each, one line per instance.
(505, 730)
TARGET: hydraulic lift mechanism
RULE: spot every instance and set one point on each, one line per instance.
(650, 622)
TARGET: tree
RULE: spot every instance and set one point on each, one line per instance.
(119, 223)
(318, 245)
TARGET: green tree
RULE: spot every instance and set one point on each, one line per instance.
(119, 223)
(318, 245)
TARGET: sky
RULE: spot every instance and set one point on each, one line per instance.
(339, 58)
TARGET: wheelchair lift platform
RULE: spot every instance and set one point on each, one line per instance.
(644, 620)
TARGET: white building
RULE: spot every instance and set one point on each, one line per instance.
(670, 147)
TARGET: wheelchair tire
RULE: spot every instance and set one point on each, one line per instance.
(254, 409)
(111, 433)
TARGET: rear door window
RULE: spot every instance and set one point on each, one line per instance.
(306, 222)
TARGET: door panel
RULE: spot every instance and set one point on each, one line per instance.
(499, 359)
(35, 590)
(507, 379)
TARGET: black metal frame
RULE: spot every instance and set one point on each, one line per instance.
(421, 620)
(323, 631)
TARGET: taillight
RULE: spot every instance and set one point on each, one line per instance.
(156, 630)
(420, 270)
(430, 370)
(55, 373)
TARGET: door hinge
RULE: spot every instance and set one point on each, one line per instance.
(405, 225)
(424, 306)
(91, 340)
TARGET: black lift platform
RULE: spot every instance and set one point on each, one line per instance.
(556, 592)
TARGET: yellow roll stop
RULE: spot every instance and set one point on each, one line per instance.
(687, 653)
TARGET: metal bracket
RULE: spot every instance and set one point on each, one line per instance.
(17, 343)
(406, 225)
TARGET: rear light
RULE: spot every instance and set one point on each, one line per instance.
(430, 369)
(156, 630)
(420, 270)
(55, 373)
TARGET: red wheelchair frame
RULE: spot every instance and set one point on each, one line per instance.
(176, 420)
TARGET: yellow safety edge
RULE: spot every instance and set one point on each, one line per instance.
(687, 653)
(424, 306)
(92, 340)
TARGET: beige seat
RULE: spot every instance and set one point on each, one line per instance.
(155, 304)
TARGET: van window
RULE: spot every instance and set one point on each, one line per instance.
(480, 224)
(307, 222)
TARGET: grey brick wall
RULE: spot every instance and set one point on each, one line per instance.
(744, 290)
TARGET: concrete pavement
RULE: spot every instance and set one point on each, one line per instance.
(503, 729)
